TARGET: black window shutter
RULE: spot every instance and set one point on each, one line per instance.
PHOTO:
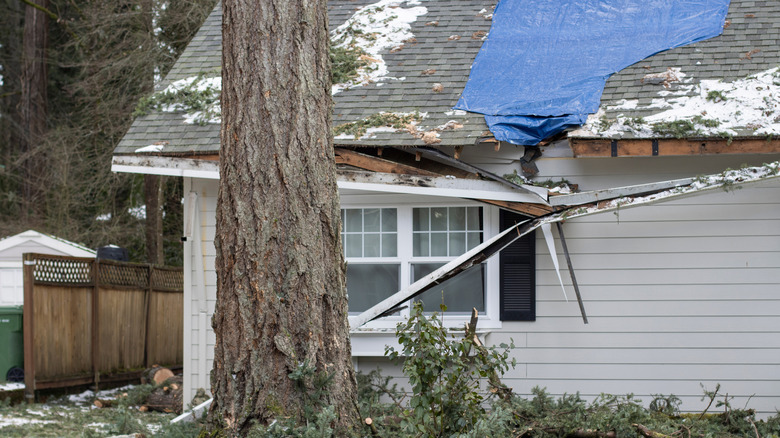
(518, 274)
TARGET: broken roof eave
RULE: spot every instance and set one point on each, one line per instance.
(365, 181)
(491, 247)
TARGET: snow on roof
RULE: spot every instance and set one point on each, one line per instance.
(713, 108)
(375, 28)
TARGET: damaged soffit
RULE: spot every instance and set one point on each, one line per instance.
(427, 63)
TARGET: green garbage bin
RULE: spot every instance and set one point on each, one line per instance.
(11, 344)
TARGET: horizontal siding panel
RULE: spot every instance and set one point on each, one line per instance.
(655, 372)
(647, 292)
(750, 227)
(685, 211)
(665, 276)
(661, 308)
(584, 244)
(591, 174)
(661, 324)
(647, 387)
(701, 356)
(687, 260)
(767, 339)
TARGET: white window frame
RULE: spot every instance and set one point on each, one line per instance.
(489, 319)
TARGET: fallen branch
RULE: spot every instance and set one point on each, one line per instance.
(498, 387)
(645, 432)
(101, 403)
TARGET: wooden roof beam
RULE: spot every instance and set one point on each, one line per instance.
(376, 164)
(591, 147)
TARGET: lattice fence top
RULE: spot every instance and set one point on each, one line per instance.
(63, 270)
(168, 279)
(122, 275)
(79, 271)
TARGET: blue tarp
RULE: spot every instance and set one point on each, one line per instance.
(544, 64)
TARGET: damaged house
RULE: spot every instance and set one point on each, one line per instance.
(669, 260)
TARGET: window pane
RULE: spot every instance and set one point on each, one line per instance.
(420, 219)
(460, 293)
(371, 219)
(474, 218)
(438, 244)
(420, 244)
(439, 219)
(457, 218)
(369, 284)
(457, 244)
(389, 245)
(474, 239)
(353, 245)
(389, 219)
(354, 220)
(371, 245)
(342, 220)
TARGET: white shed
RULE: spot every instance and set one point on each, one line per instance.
(11, 250)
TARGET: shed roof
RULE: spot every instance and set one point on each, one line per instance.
(446, 40)
(12, 247)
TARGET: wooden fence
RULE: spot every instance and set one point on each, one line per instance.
(87, 320)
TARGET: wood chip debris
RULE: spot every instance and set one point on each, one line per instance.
(665, 78)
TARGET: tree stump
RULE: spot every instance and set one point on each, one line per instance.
(156, 375)
(166, 397)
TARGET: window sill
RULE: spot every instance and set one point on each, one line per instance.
(368, 341)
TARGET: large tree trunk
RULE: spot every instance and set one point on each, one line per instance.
(281, 301)
(32, 105)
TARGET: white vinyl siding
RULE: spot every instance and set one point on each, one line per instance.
(678, 295)
(200, 277)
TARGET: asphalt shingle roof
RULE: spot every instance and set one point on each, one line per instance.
(750, 44)
(754, 28)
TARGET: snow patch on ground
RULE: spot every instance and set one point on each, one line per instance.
(8, 421)
(712, 107)
(10, 386)
(89, 395)
(384, 25)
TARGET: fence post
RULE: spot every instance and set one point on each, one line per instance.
(147, 309)
(28, 327)
(96, 322)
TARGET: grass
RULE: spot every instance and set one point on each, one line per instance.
(73, 416)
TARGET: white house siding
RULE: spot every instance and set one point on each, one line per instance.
(679, 294)
(11, 284)
(199, 255)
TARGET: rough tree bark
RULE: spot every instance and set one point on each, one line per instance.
(281, 300)
(32, 105)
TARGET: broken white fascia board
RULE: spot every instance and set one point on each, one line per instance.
(731, 178)
(548, 238)
(167, 166)
(367, 181)
(600, 195)
(436, 186)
